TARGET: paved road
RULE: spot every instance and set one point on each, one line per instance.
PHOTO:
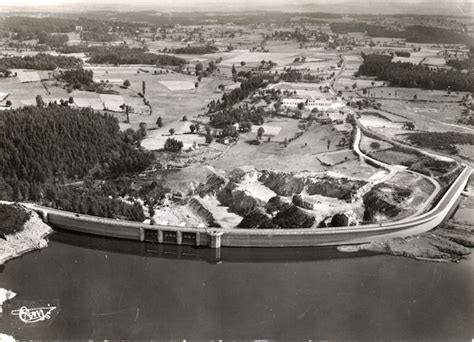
(393, 169)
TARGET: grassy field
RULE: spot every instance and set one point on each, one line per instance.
(299, 155)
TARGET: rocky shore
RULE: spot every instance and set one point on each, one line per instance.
(430, 246)
(31, 236)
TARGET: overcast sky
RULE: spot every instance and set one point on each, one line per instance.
(444, 7)
(160, 3)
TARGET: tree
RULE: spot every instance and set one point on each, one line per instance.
(242, 63)
(199, 67)
(230, 131)
(71, 99)
(234, 70)
(185, 118)
(212, 66)
(329, 143)
(192, 128)
(126, 83)
(245, 126)
(209, 139)
(173, 145)
(415, 97)
(127, 110)
(375, 145)
(39, 101)
(8, 103)
(172, 131)
(159, 122)
(409, 126)
(260, 132)
(301, 105)
(143, 88)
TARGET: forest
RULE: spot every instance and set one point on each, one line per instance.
(225, 118)
(79, 78)
(45, 148)
(412, 34)
(409, 75)
(40, 61)
(196, 50)
(466, 64)
(123, 55)
(94, 29)
(295, 75)
(26, 28)
(52, 40)
(248, 86)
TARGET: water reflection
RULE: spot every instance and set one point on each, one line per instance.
(209, 255)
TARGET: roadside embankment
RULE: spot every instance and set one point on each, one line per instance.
(25, 232)
(448, 243)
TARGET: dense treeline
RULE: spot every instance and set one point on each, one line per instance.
(405, 54)
(196, 18)
(44, 147)
(78, 78)
(87, 200)
(196, 50)
(435, 35)
(414, 75)
(372, 30)
(446, 141)
(412, 34)
(229, 117)
(74, 48)
(295, 75)
(26, 28)
(466, 64)
(286, 35)
(40, 61)
(12, 219)
(248, 86)
(52, 40)
(121, 55)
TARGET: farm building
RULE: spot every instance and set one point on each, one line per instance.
(321, 104)
(28, 76)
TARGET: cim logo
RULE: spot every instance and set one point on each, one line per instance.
(33, 315)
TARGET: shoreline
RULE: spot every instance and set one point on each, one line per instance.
(433, 246)
(32, 237)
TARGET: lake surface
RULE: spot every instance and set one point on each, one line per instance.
(118, 289)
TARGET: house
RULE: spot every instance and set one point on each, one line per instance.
(321, 104)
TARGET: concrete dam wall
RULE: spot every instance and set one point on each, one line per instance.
(221, 237)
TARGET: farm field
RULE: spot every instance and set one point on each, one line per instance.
(373, 121)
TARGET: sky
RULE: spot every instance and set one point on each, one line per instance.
(178, 2)
(456, 7)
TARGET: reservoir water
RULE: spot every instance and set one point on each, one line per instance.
(110, 289)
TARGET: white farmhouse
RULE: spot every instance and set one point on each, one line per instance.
(321, 104)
